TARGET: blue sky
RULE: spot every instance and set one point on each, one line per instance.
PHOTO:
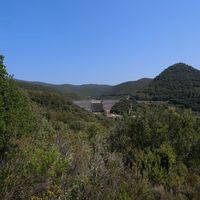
(97, 41)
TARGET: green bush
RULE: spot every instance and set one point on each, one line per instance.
(15, 112)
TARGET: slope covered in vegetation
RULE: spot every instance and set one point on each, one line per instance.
(179, 84)
(73, 91)
(127, 88)
(51, 149)
(89, 90)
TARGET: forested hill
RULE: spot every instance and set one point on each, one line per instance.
(88, 90)
(73, 91)
(179, 84)
(43, 87)
(128, 88)
(56, 105)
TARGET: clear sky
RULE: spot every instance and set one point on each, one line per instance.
(97, 41)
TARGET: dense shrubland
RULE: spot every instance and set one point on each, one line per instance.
(125, 107)
(51, 149)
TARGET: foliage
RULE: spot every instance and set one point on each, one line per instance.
(125, 107)
(15, 113)
(60, 151)
(127, 88)
(160, 142)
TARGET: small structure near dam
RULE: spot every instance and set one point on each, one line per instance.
(96, 106)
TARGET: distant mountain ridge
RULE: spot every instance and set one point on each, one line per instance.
(73, 91)
(88, 90)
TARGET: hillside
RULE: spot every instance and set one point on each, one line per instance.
(43, 87)
(73, 91)
(128, 88)
(178, 84)
(88, 90)
(52, 149)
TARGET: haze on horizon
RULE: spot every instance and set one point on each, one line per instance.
(104, 42)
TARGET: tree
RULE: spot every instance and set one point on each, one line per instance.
(15, 112)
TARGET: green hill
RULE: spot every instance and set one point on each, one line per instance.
(88, 90)
(178, 84)
(72, 91)
(43, 87)
(56, 104)
(128, 88)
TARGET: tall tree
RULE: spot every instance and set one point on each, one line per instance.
(15, 112)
